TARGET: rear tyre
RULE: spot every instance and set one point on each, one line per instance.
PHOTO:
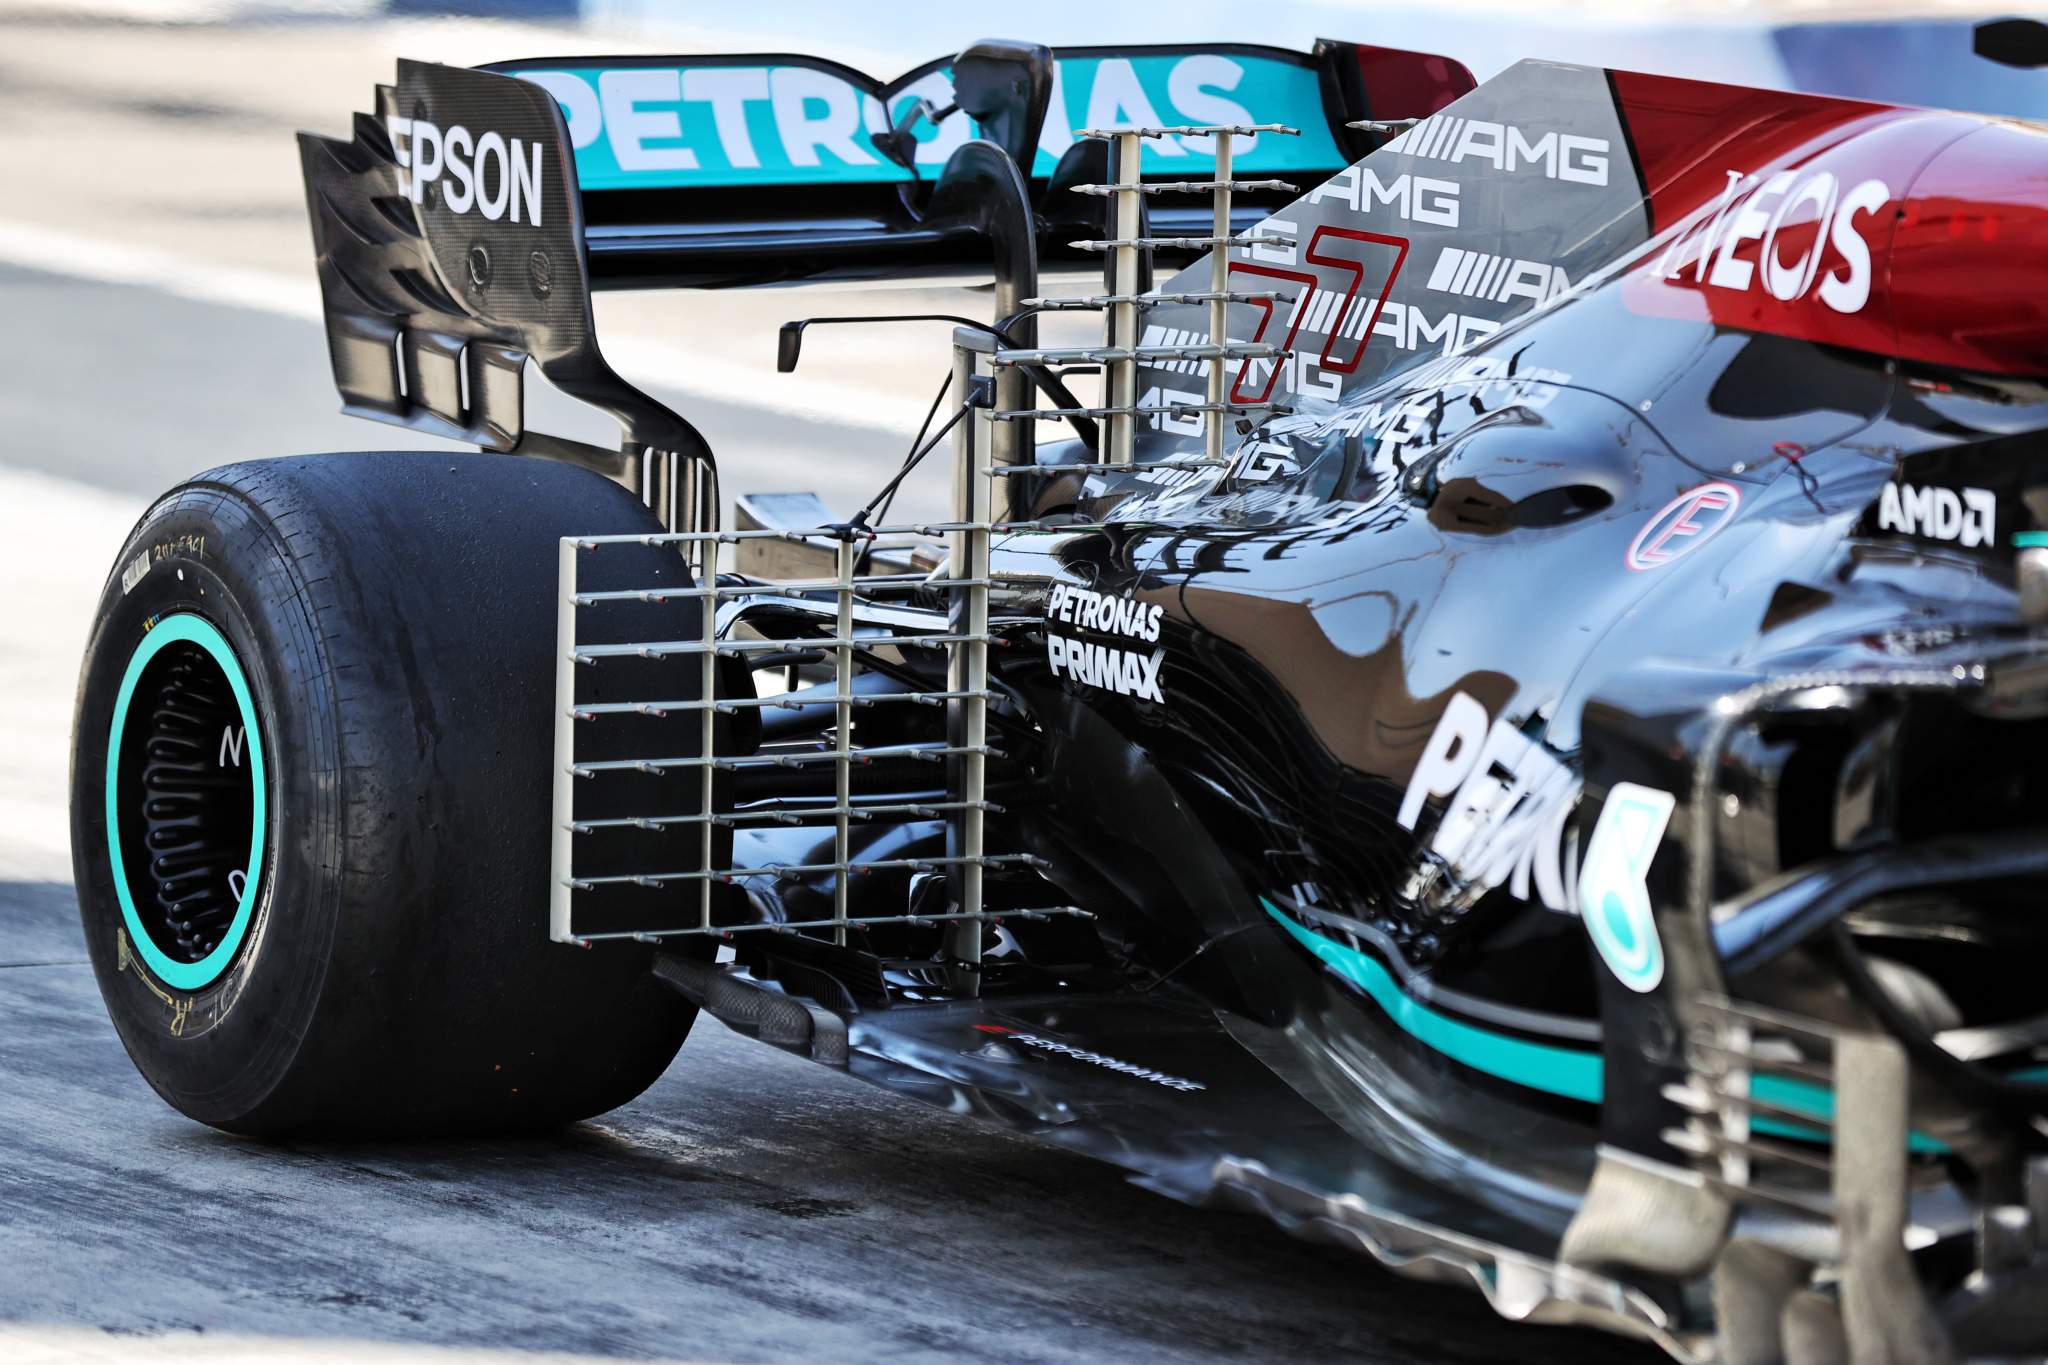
(311, 799)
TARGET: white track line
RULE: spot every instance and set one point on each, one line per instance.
(648, 361)
(106, 262)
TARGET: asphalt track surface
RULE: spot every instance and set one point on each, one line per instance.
(749, 1207)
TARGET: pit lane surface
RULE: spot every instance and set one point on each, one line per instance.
(749, 1207)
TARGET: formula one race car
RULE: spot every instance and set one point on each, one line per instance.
(1508, 729)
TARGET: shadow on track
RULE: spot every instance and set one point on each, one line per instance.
(750, 1206)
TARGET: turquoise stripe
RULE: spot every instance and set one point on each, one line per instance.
(1568, 1072)
(1554, 1070)
(187, 976)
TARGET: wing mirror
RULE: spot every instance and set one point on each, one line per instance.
(2013, 42)
(789, 344)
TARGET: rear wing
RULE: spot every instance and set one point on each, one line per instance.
(461, 229)
(745, 169)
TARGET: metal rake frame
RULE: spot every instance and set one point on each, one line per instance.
(984, 467)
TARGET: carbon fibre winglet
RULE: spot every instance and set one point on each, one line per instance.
(450, 242)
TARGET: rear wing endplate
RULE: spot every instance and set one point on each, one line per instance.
(449, 234)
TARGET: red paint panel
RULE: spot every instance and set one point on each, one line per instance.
(1403, 84)
(1687, 134)
(1889, 230)
(1799, 246)
(1969, 258)
(1894, 231)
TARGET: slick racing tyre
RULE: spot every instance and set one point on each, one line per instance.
(311, 800)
